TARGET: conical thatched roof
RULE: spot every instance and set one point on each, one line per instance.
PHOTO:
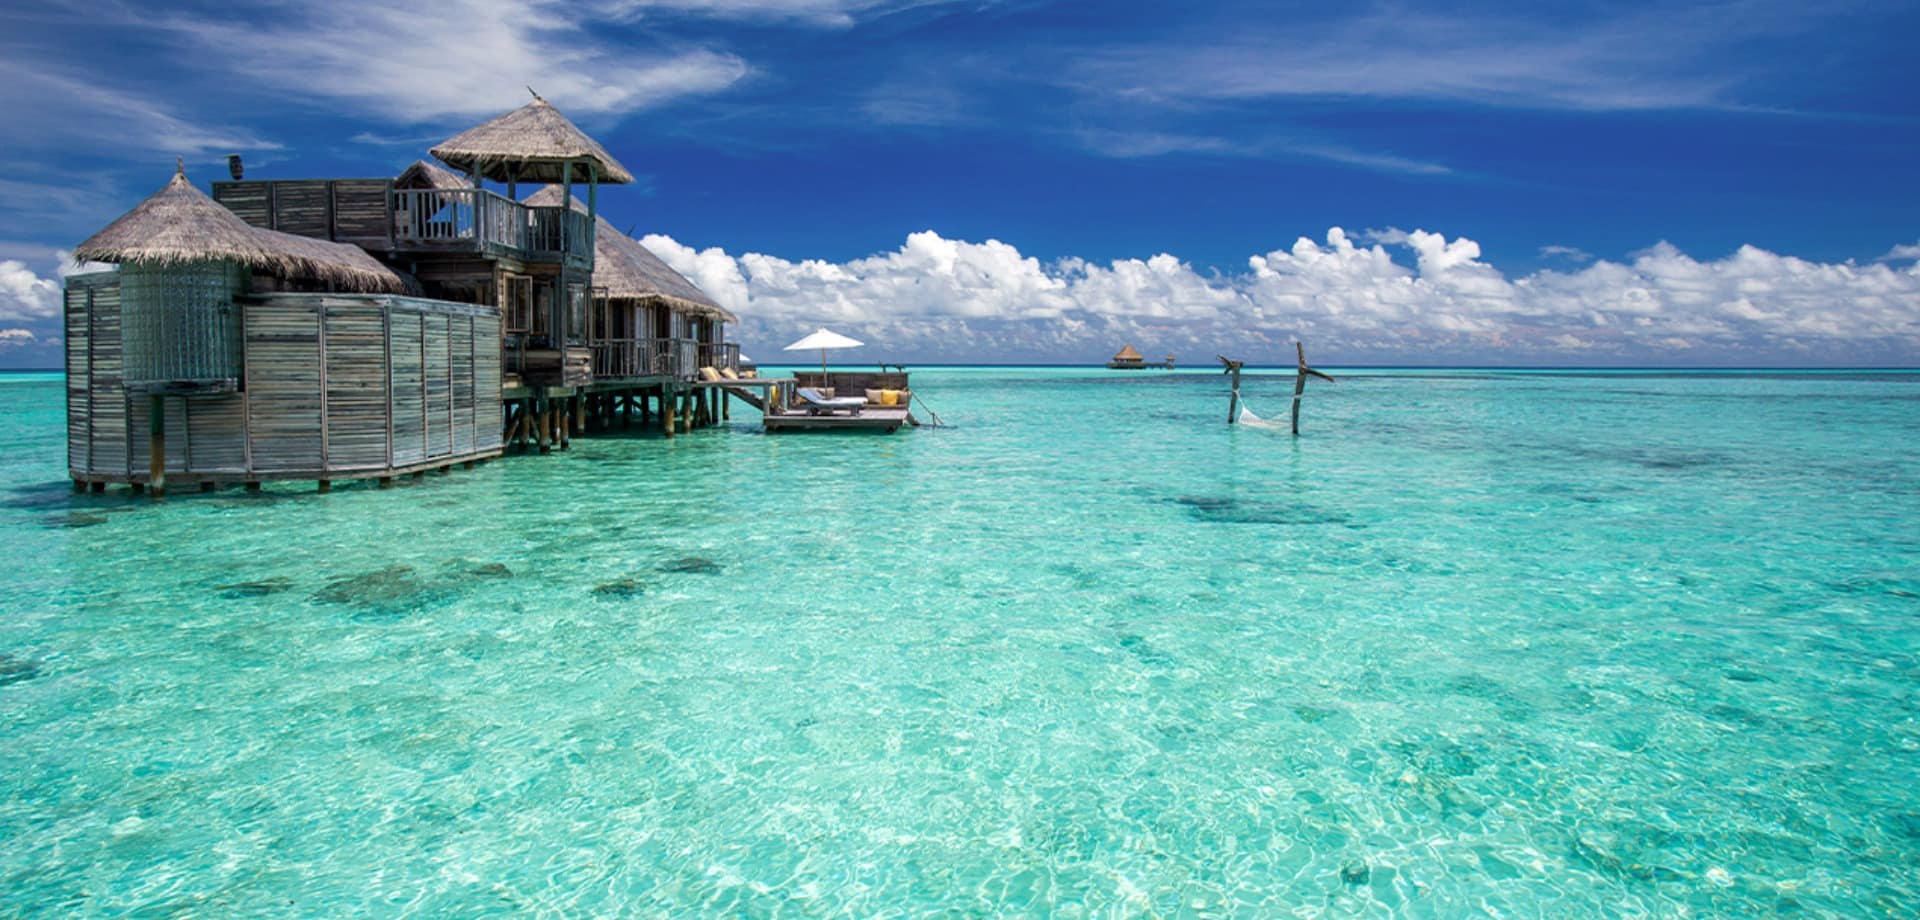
(425, 175)
(1128, 353)
(529, 144)
(180, 224)
(629, 271)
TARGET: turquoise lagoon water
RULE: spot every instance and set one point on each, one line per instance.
(1521, 644)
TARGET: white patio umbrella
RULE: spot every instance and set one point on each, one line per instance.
(824, 339)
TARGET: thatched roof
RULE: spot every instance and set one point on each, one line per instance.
(629, 271)
(529, 144)
(1127, 353)
(425, 175)
(180, 224)
(341, 264)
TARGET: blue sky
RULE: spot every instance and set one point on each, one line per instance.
(1584, 183)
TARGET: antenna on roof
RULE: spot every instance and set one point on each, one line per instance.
(180, 166)
(535, 95)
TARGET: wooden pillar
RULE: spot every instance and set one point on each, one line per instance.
(98, 486)
(541, 426)
(326, 485)
(79, 486)
(579, 415)
(253, 486)
(666, 410)
(386, 482)
(157, 445)
(208, 486)
(563, 422)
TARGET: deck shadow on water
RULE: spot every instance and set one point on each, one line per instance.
(1261, 511)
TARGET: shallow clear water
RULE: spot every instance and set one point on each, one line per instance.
(1515, 643)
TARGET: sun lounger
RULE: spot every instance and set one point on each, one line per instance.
(818, 403)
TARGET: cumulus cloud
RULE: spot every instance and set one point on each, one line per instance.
(14, 338)
(24, 295)
(1902, 253)
(1396, 295)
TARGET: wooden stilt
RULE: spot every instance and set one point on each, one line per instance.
(666, 413)
(326, 485)
(79, 486)
(98, 487)
(253, 486)
(579, 415)
(137, 487)
(157, 445)
(386, 482)
(209, 486)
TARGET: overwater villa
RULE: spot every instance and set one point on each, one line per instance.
(324, 329)
(1128, 358)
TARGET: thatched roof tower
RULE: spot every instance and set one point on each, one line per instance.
(425, 175)
(180, 225)
(1128, 353)
(630, 271)
(530, 144)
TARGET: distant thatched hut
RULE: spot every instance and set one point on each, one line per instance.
(1128, 358)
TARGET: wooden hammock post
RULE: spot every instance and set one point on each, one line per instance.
(1233, 403)
(1300, 383)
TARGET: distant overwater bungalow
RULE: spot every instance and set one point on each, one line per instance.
(354, 328)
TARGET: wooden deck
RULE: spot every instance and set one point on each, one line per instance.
(886, 419)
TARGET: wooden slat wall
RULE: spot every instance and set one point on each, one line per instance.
(304, 207)
(488, 433)
(79, 398)
(108, 397)
(334, 383)
(217, 438)
(409, 394)
(460, 376)
(356, 385)
(283, 385)
(363, 212)
(439, 409)
(251, 201)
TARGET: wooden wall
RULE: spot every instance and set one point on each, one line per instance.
(337, 386)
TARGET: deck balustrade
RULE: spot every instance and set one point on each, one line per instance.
(659, 357)
(477, 218)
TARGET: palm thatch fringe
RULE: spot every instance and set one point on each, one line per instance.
(179, 224)
(529, 144)
(627, 270)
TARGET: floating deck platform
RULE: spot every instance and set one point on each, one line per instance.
(886, 419)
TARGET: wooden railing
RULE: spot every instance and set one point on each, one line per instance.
(723, 354)
(481, 219)
(645, 358)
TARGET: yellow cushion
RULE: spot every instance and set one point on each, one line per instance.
(889, 397)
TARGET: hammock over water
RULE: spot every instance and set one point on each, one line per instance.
(1248, 418)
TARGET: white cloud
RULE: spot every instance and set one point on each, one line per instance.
(941, 298)
(24, 295)
(1902, 253)
(834, 13)
(461, 58)
(49, 107)
(13, 338)
(1570, 253)
(1642, 60)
